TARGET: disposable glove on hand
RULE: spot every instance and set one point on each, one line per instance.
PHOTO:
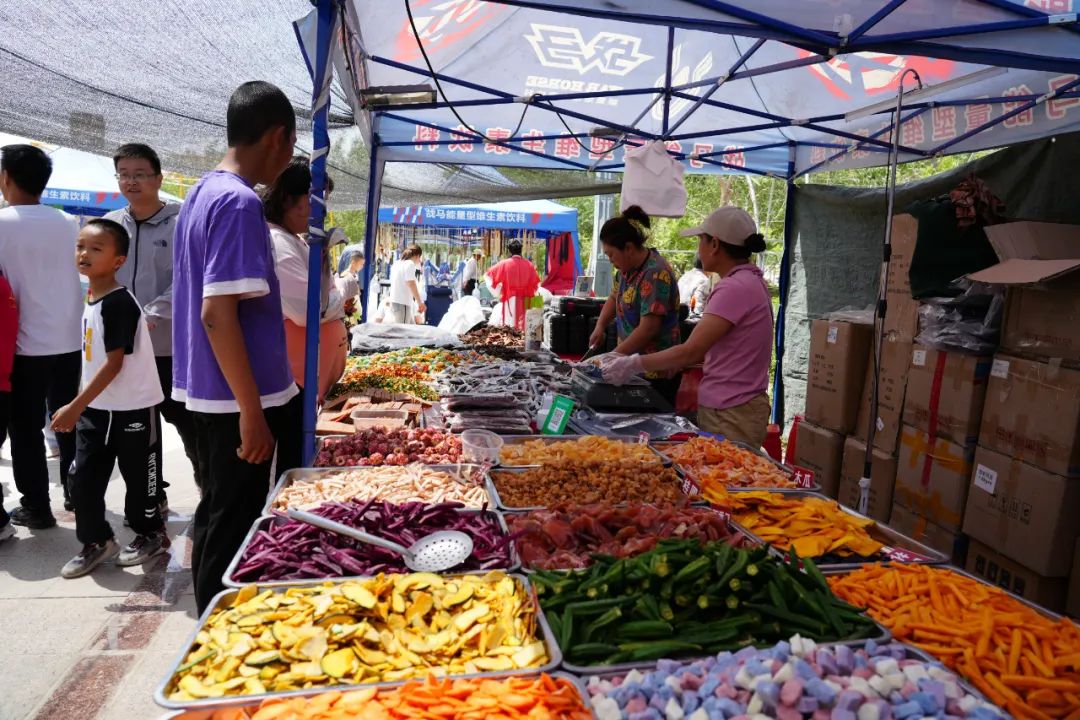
(619, 369)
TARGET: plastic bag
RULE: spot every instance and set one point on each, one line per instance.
(462, 315)
(372, 337)
(969, 322)
(653, 179)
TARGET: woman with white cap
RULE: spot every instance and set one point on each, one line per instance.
(734, 337)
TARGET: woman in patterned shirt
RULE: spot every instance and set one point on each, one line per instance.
(645, 300)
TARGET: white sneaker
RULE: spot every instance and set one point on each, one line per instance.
(89, 558)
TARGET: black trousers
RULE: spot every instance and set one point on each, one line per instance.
(468, 287)
(5, 413)
(234, 491)
(131, 438)
(177, 415)
(38, 381)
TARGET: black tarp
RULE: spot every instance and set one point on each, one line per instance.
(838, 234)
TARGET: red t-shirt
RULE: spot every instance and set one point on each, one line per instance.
(9, 332)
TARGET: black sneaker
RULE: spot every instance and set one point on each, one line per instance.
(91, 556)
(142, 548)
(42, 520)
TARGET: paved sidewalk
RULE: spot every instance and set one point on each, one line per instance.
(93, 648)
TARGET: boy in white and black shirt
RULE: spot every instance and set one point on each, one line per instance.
(114, 416)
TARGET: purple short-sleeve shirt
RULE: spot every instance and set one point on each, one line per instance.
(223, 247)
(737, 366)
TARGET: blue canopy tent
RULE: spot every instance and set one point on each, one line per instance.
(768, 87)
(543, 217)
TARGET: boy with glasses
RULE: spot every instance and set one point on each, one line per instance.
(150, 223)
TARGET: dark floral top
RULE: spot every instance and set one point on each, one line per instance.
(649, 290)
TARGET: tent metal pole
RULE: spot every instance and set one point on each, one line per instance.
(784, 282)
(667, 81)
(320, 112)
(961, 30)
(717, 83)
(859, 145)
(371, 219)
(873, 20)
(883, 292)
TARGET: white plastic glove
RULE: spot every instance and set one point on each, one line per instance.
(618, 369)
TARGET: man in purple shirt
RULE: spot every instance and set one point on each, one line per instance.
(230, 366)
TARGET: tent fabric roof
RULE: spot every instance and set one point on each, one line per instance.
(730, 86)
(541, 215)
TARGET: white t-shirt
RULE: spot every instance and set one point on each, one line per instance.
(470, 270)
(116, 321)
(37, 254)
(400, 274)
(291, 267)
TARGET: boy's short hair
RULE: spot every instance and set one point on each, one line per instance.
(137, 151)
(254, 108)
(120, 235)
(29, 167)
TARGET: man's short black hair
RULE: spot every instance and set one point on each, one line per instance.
(514, 246)
(120, 235)
(137, 151)
(254, 108)
(29, 167)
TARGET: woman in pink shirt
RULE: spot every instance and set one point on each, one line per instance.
(734, 337)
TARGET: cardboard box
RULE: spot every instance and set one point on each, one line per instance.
(820, 450)
(1023, 512)
(901, 310)
(892, 380)
(918, 528)
(996, 569)
(1072, 598)
(838, 353)
(882, 477)
(932, 477)
(945, 392)
(1032, 412)
(1042, 309)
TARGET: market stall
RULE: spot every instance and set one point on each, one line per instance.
(670, 573)
(449, 233)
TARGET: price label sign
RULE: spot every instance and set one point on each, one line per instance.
(690, 487)
(803, 478)
(901, 555)
(643, 438)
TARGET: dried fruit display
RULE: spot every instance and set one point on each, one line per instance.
(587, 448)
(390, 627)
(381, 446)
(815, 527)
(566, 536)
(495, 335)
(587, 482)
(291, 550)
(722, 463)
(411, 483)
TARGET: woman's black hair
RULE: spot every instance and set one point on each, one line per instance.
(629, 228)
(514, 246)
(411, 252)
(753, 244)
(293, 182)
(697, 264)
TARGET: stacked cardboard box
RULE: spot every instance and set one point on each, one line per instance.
(899, 327)
(820, 451)
(943, 407)
(838, 354)
(1024, 493)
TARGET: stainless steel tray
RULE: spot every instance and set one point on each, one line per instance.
(898, 547)
(291, 476)
(661, 447)
(207, 713)
(225, 597)
(263, 522)
(493, 489)
(552, 439)
(733, 528)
